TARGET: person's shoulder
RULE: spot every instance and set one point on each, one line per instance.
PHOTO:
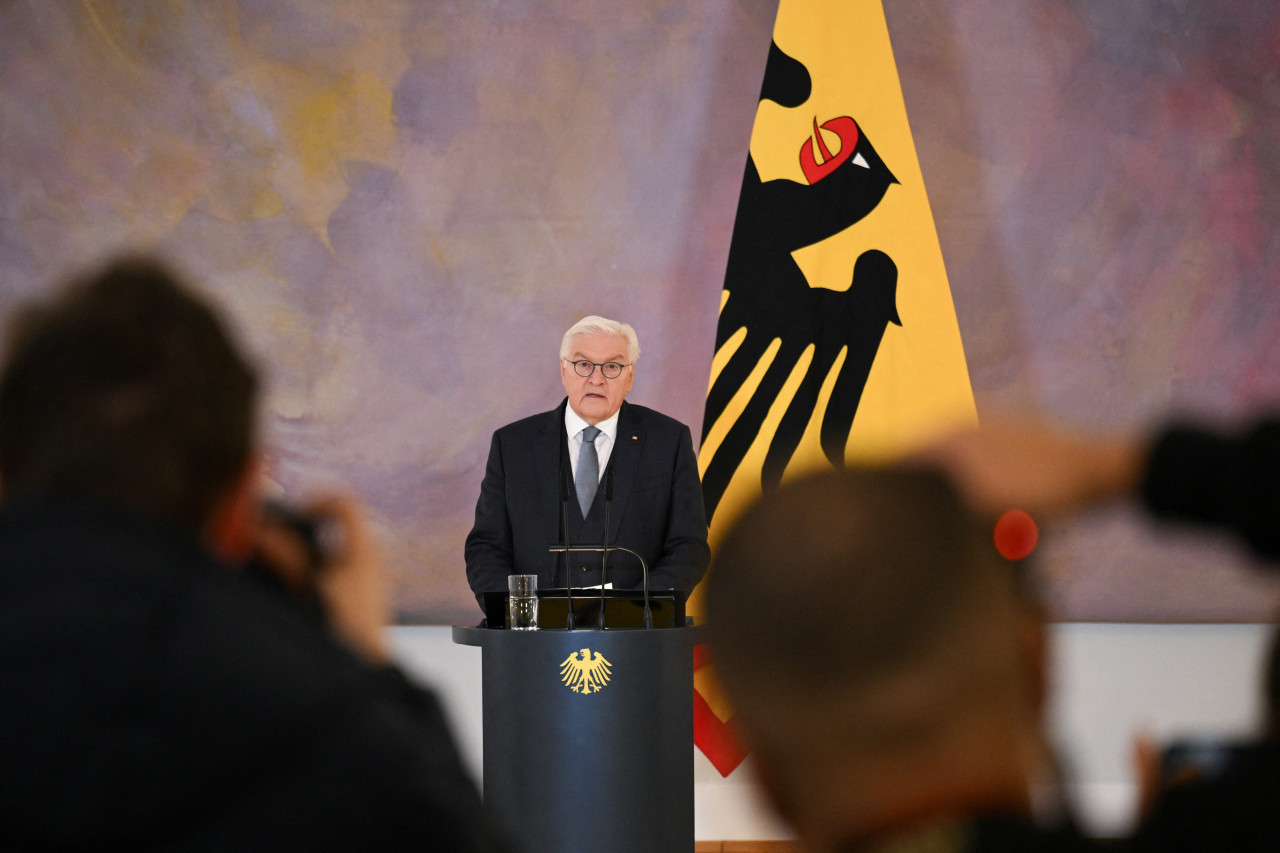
(533, 423)
(651, 418)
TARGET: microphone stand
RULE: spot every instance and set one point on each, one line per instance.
(604, 558)
(562, 523)
(570, 621)
(644, 567)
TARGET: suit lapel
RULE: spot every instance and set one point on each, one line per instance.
(625, 462)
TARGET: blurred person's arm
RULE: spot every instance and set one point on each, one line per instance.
(1226, 480)
(394, 737)
(350, 587)
(354, 585)
(1035, 466)
(1184, 473)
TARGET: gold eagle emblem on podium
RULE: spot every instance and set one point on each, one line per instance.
(585, 671)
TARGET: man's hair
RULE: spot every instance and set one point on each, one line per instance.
(594, 325)
(859, 612)
(125, 388)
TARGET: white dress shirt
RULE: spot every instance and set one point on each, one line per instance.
(573, 427)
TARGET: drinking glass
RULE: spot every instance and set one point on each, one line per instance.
(522, 602)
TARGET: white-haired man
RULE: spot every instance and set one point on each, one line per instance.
(594, 438)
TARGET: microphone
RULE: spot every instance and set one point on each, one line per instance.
(644, 567)
(604, 557)
(570, 621)
(560, 522)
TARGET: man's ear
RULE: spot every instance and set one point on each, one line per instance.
(231, 530)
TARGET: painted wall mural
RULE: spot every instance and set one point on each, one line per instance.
(403, 204)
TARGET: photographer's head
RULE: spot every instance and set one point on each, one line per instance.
(125, 388)
(882, 659)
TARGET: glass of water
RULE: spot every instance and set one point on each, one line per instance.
(522, 602)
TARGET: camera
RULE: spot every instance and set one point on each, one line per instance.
(316, 534)
(1199, 758)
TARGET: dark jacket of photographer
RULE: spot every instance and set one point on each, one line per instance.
(1226, 480)
(155, 698)
(1232, 482)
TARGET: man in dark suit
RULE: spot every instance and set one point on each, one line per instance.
(593, 455)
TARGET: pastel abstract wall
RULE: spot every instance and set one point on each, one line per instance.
(1105, 182)
(403, 204)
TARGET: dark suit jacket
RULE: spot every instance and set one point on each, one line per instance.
(657, 508)
(156, 699)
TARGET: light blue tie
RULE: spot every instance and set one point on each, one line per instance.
(587, 478)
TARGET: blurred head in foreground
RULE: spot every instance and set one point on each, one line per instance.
(124, 388)
(884, 664)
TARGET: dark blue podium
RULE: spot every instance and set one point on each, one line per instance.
(588, 737)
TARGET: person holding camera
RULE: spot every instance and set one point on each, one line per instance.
(183, 669)
(892, 687)
(910, 714)
(1186, 473)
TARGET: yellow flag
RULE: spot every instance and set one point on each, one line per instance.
(837, 338)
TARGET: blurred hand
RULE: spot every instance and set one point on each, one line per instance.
(1034, 466)
(351, 586)
(1145, 755)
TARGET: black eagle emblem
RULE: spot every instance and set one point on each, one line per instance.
(769, 297)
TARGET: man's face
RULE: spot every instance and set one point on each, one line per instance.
(594, 397)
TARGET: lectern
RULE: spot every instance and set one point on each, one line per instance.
(588, 737)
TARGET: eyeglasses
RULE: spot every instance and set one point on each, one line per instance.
(610, 369)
